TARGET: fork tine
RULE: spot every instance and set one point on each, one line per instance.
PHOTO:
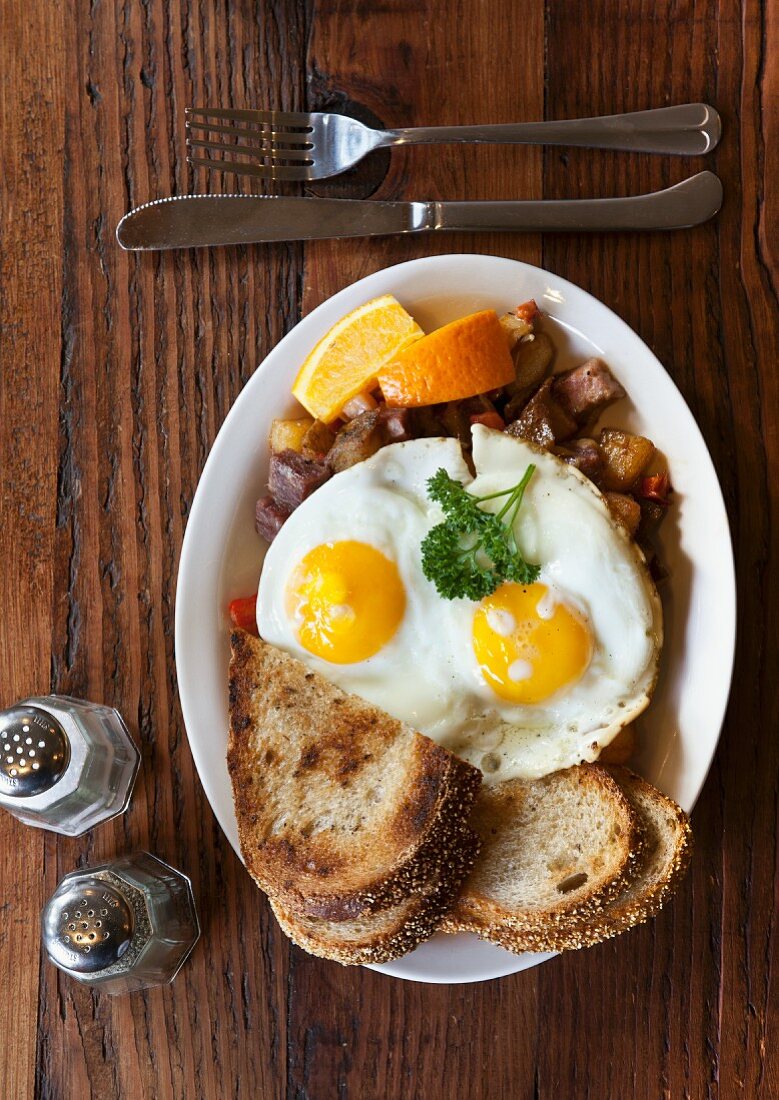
(290, 137)
(270, 171)
(285, 118)
(266, 152)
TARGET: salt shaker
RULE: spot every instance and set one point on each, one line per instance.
(122, 926)
(66, 764)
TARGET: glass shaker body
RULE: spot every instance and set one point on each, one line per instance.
(66, 764)
(122, 926)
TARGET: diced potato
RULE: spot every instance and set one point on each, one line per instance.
(515, 328)
(317, 441)
(532, 360)
(622, 748)
(625, 509)
(625, 457)
(288, 435)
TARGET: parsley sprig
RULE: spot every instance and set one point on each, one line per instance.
(473, 551)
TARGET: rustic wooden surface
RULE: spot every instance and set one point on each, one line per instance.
(116, 372)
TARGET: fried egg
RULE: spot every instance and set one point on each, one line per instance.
(530, 679)
(342, 586)
(561, 665)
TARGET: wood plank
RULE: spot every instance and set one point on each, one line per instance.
(31, 357)
(748, 774)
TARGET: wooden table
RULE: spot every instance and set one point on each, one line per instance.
(117, 371)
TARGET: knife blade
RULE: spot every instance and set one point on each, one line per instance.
(197, 221)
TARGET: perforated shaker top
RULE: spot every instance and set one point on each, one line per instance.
(35, 751)
(88, 926)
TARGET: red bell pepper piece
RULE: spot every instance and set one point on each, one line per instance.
(656, 487)
(243, 614)
(528, 311)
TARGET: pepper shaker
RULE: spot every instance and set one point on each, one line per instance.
(66, 764)
(122, 926)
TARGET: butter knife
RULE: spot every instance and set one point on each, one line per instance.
(197, 221)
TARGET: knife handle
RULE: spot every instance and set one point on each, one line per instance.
(691, 202)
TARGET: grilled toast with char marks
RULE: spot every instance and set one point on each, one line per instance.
(342, 810)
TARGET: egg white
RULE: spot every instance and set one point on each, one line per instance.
(589, 563)
(427, 674)
(383, 502)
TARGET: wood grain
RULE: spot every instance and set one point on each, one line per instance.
(116, 371)
(32, 354)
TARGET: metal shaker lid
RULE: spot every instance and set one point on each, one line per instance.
(35, 751)
(87, 925)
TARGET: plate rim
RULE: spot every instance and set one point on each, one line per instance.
(513, 963)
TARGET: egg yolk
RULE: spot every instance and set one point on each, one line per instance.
(527, 646)
(346, 600)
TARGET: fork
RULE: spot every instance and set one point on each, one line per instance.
(290, 145)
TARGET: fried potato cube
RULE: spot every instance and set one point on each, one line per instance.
(625, 457)
(515, 328)
(625, 509)
(317, 441)
(288, 435)
(532, 360)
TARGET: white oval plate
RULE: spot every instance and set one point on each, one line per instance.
(222, 555)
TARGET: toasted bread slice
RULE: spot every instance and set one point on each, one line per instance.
(341, 809)
(661, 866)
(389, 933)
(551, 848)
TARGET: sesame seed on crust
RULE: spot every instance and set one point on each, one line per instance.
(642, 895)
(389, 934)
(439, 791)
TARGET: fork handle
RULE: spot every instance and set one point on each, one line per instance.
(688, 129)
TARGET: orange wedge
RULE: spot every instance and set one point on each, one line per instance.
(348, 358)
(461, 359)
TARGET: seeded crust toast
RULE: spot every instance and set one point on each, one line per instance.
(389, 933)
(551, 848)
(661, 864)
(341, 809)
